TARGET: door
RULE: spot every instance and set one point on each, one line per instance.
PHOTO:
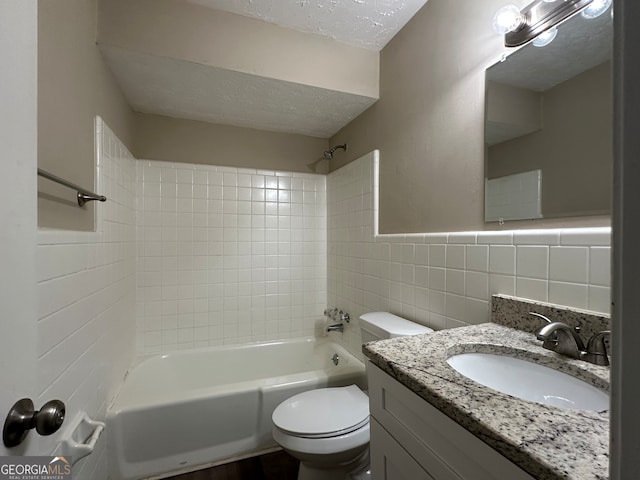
(18, 217)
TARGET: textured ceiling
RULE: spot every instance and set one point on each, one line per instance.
(368, 24)
(182, 89)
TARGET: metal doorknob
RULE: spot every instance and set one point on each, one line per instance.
(22, 417)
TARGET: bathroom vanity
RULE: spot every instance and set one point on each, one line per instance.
(412, 440)
(430, 422)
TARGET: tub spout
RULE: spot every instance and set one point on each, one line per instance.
(337, 327)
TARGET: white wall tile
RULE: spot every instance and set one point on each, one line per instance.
(573, 294)
(477, 285)
(477, 257)
(86, 298)
(503, 284)
(600, 236)
(495, 238)
(599, 299)
(600, 266)
(532, 289)
(422, 254)
(437, 280)
(502, 259)
(569, 264)
(455, 281)
(438, 255)
(464, 238)
(455, 256)
(455, 306)
(239, 225)
(476, 311)
(532, 262)
(422, 276)
(536, 237)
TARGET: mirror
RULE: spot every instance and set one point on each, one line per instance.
(548, 126)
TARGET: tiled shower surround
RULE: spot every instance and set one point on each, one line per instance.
(228, 255)
(446, 280)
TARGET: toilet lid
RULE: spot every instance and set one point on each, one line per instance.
(325, 412)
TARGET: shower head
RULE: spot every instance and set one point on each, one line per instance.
(328, 154)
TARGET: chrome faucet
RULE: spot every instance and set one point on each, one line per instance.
(561, 338)
(337, 327)
(339, 316)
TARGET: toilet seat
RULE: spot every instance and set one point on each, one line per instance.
(323, 413)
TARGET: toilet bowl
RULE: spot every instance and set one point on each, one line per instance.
(327, 429)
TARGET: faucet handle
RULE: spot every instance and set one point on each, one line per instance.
(330, 312)
(597, 349)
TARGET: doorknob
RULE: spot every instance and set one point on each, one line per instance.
(22, 417)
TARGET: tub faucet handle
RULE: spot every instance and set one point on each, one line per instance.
(344, 316)
(330, 312)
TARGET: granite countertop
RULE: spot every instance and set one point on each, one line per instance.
(547, 442)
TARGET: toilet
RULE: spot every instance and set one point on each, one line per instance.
(327, 429)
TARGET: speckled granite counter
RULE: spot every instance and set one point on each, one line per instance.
(547, 442)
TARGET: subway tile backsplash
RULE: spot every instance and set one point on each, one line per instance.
(458, 271)
(228, 255)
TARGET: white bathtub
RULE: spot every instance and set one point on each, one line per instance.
(184, 409)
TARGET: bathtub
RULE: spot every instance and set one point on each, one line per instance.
(182, 410)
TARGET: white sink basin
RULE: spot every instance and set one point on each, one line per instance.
(530, 381)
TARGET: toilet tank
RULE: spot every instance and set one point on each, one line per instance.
(383, 325)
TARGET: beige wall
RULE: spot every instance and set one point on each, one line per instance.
(73, 86)
(178, 140)
(429, 121)
(573, 149)
(179, 29)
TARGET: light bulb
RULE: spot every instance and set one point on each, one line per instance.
(596, 8)
(545, 38)
(507, 19)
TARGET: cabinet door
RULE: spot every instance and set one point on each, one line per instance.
(389, 461)
(438, 444)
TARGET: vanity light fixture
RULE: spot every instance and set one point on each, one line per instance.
(508, 19)
(596, 8)
(540, 18)
(545, 38)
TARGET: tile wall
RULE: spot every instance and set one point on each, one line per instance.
(445, 280)
(86, 302)
(228, 255)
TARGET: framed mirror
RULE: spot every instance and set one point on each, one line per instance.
(548, 126)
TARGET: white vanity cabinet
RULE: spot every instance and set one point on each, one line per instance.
(412, 440)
